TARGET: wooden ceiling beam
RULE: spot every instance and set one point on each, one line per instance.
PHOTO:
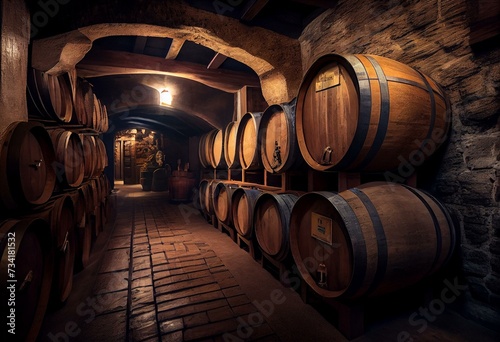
(175, 48)
(252, 9)
(106, 63)
(217, 61)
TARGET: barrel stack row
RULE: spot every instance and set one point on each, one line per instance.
(358, 113)
(65, 100)
(258, 140)
(55, 197)
(353, 113)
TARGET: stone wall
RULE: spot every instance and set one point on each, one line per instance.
(433, 37)
(14, 28)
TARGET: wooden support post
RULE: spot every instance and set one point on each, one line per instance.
(348, 180)
(280, 267)
(224, 228)
(248, 243)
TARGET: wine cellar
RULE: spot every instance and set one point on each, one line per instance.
(250, 170)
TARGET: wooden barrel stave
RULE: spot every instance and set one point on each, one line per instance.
(62, 224)
(369, 243)
(221, 197)
(206, 196)
(243, 205)
(231, 155)
(248, 141)
(271, 221)
(362, 112)
(70, 157)
(278, 140)
(217, 150)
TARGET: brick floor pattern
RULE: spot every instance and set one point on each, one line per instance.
(168, 286)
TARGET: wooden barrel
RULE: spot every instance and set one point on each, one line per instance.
(146, 180)
(271, 223)
(205, 151)
(242, 209)
(231, 145)
(30, 240)
(102, 157)
(49, 96)
(248, 141)
(60, 214)
(205, 194)
(217, 152)
(69, 156)
(279, 147)
(89, 155)
(27, 176)
(83, 100)
(370, 240)
(222, 193)
(202, 153)
(366, 112)
(83, 227)
(181, 186)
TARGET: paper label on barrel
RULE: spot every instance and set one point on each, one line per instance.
(321, 228)
(328, 78)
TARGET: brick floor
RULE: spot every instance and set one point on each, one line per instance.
(169, 285)
(153, 278)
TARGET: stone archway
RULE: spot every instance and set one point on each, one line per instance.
(275, 58)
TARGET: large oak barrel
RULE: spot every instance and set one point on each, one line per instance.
(231, 145)
(206, 149)
(369, 240)
(99, 116)
(60, 215)
(69, 156)
(202, 153)
(102, 157)
(271, 223)
(83, 100)
(248, 141)
(27, 157)
(222, 193)
(62, 222)
(242, 208)
(81, 199)
(205, 196)
(218, 158)
(366, 112)
(89, 157)
(49, 96)
(181, 184)
(279, 148)
(29, 239)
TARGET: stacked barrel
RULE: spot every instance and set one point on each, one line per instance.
(353, 114)
(54, 196)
